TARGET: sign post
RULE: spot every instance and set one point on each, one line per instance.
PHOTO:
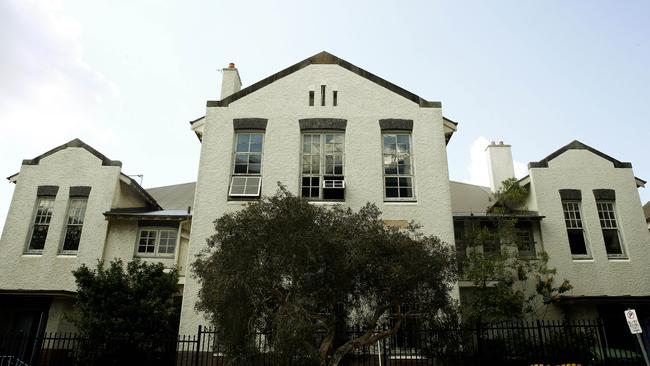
(635, 328)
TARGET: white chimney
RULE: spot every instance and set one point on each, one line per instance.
(231, 83)
(500, 166)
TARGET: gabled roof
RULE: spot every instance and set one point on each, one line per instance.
(105, 162)
(577, 145)
(175, 197)
(324, 58)
(74, 143)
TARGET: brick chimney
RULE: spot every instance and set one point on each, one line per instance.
(500, 166)
(230, 83)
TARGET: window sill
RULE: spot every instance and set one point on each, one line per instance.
(619, 259)
(243, 199)
(327, 202)
(408, 202)
(67, 255)
(32, 254)
(583, 259)
(154, 257)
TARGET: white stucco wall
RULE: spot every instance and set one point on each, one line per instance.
(122, 241)
(583, 170)
(362, 103)
(50, 270)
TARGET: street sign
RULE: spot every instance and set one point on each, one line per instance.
(632, 321)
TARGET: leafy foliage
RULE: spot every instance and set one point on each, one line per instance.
(506, 285)
(302, 272)
(122, 311)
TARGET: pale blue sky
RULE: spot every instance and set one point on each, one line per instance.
(127, 76)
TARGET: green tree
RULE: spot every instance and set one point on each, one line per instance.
(125, 312)
(303, 272)
(506, 285)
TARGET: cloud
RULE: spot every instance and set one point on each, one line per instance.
(478, 170)
(49, 93)
(478, 165)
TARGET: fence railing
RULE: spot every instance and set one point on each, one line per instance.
(586, 342)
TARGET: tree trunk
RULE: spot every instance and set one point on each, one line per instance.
(340, 353)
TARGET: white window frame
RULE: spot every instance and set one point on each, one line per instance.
(43, 220)
(322, 164)
(610, 223)
(81, 217)
(246, 179)
(156, 251)
(575, 224)
(398, 175)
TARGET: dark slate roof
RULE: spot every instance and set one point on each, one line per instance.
(577, 145)
(174, 197)
(646, 211)
(469, 198)
(324, 58)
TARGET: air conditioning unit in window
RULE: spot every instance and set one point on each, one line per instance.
(334, 184)
(245, 186)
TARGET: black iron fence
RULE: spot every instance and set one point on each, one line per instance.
(510, 343)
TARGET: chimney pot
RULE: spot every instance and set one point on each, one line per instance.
(500, 142)
(230, 83)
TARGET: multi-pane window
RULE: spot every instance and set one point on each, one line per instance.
(525, 240)
(489, 238)
(398, 166)
(41, 224)
(157, 242)
(574, 228)
(322, 166)
(246, 180)
(607, 217)
(76, 213)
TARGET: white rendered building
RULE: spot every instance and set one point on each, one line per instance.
(335, 134)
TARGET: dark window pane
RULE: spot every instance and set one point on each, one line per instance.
(72, 237)
(391, 182)
(256, 148)
(305, 192)
(402, 139)
(240, 168)
(577, 242)
(338, 170)
(241, 159)
(405, 182)
(38, 237)
(242, 148)
(405, 192)
(243, 138)
(389, 139)
(612, 244)
(256, 138)
(333, 194)
(315, 181)
(314, 192)
(391, 192)
(255, 159)
(254, 168)
(305, 181)
(390, 169)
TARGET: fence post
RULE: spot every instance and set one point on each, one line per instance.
(540, 332)
(198, 348)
